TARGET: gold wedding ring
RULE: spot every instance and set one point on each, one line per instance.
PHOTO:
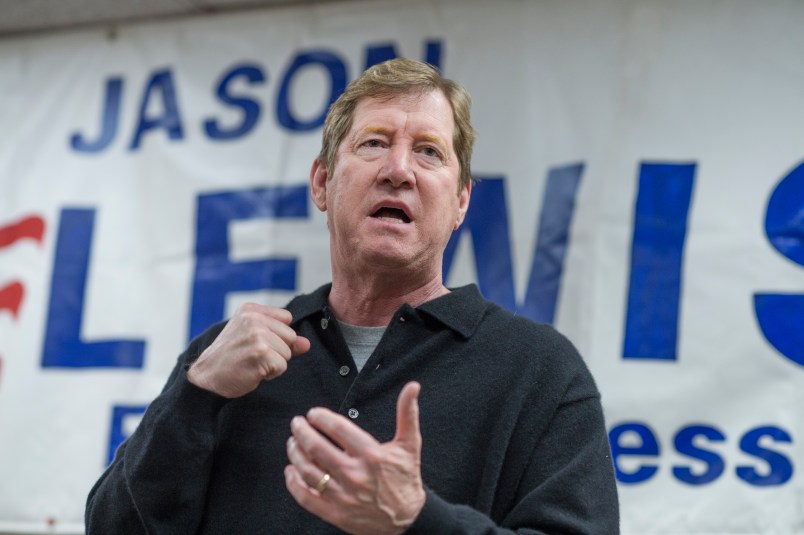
(322, 485)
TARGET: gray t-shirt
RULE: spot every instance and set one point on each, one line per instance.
(361, 341)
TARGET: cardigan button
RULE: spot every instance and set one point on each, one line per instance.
(344, 371)
(353, 414)
(324, 323)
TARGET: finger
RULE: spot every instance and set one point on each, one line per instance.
(281, 337)
(342, 431)
(280, 314)
(300, 346)
(309, 472)
(332, 489)
(316, 446)
(296, 344)
(303, 465)
(268, 343)
(310, 499)
(407, 416)
(299, 488)
(280, 329)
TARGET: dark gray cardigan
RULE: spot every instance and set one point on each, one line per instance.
(513, 431)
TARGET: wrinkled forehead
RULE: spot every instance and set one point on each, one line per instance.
(424, 114)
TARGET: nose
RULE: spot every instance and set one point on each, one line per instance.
(397, 169)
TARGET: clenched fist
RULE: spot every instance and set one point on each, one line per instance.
(255, 346)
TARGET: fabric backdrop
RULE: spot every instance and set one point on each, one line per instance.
(640, 187)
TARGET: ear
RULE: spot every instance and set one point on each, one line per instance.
(463, 204)
(318, 184)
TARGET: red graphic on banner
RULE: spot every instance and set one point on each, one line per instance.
(32, 227)
(12, 294)
(11, 298)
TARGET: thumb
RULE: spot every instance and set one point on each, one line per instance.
(407, 417)
(300, 346)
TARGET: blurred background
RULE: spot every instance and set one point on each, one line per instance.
(640, 187)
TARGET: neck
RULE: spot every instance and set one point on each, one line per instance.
(373, 300)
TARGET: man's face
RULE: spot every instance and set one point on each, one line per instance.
(392, 199)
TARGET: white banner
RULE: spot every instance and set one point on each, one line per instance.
(640, 188)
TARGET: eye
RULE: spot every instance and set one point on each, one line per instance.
(370, 148)
(431, 153)
(372, 143)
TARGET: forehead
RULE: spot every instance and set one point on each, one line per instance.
(422, 114)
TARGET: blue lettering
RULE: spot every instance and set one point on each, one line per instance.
(109, 120)
(335, 68)
(215, 275)
(780, 316)
(684, 444)
(432, 53)
(161, 82)
(487, 223)
(647, 447)
(660, 229)
(249, 107)
(63, 346)
(552, 240)
(781, 469)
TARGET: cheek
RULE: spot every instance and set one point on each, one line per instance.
(343, 205)
(445, 213)
(335, 196)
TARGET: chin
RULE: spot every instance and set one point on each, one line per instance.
(387, 258)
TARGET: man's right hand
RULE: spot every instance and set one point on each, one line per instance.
(255, 346)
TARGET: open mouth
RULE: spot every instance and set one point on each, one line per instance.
(392, 215)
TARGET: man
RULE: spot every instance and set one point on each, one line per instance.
(383, 403)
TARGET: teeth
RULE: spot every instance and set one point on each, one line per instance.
(391, 219)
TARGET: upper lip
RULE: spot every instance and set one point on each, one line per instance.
(392, 203)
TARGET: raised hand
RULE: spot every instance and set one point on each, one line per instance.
(367, 487)
(255, 346)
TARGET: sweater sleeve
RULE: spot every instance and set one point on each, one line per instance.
(157, 482)
(568, 486)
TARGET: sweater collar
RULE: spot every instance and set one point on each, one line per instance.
(461, 310)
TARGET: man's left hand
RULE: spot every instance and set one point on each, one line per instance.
(372, 487)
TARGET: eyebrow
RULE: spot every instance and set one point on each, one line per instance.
(383, 131)
(436, 140)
